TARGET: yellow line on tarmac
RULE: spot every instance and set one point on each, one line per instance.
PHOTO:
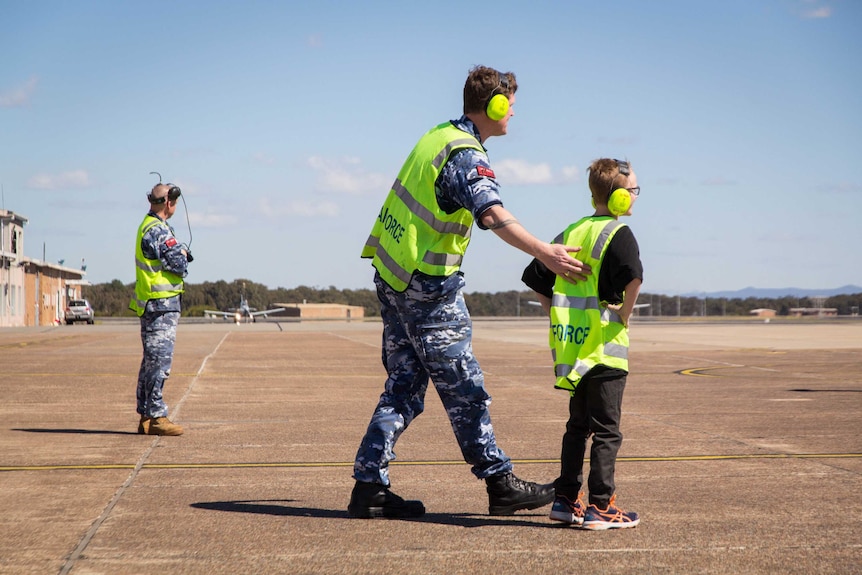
(696, 371)
(82, 374)
(312, 464)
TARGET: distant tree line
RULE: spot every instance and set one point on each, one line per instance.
(112, 299)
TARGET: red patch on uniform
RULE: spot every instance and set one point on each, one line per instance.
(171, 242)
(487, 172)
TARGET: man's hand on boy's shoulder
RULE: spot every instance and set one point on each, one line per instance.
(558, 260)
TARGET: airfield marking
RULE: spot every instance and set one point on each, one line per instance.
(313, 464)
(698, 371)
(79, 550)
(73, 374)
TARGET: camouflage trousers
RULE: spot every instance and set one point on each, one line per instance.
(427, 334)
(158, 335)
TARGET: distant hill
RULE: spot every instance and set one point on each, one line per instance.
(779, 292)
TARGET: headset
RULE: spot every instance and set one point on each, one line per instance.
(497, 105)
(173, 194)
(620, 199)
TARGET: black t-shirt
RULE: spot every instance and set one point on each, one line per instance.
(620, 266)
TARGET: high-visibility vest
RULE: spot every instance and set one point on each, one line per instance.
(151, 280)
(411, 231)
(584, 331)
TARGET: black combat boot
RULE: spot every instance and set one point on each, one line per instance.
(507, 494)
(370, 500)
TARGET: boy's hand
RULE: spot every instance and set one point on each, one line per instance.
(624, 317)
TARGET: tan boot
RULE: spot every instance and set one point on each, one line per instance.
(164, 426)
(144, 425)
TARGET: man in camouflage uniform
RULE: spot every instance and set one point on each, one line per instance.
(161, 263)
(417, 244)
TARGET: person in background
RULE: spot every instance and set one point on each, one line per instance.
(161, 263)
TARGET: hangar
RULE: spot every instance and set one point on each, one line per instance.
(33, 292)
(321, 311)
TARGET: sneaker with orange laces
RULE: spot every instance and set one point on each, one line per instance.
(610, 518)
(568, 511)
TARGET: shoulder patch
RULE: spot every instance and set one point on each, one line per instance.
(171, 242)
(486, 172)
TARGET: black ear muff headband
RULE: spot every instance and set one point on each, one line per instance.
(173, 193)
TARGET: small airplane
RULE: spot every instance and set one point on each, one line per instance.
(250, 314)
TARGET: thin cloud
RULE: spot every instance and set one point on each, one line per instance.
(822, 12)
(315, 41)
(76, 179)
(840, 188)
(263, 159)
(212, 220)
(718, 181)
(192, 153)
(346, 176)
(814, 9)
(300, 208)
(782, 236)
(622, 141)
(19, 96)
(570, 174)
(521, 172)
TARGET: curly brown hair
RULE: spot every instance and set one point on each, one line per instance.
(482, 83)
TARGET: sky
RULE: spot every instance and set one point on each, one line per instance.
(285, 123)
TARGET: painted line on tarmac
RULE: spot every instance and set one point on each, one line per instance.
(79, 550)
(81, 374)
(698, 371)
(333, 464)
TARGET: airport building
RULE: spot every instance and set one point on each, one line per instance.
(763, 312)
(33, 292)
(321, 311)
(813, 311)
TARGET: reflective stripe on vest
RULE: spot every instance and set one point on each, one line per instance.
(411, 231)
(584, 331)
(152, 281)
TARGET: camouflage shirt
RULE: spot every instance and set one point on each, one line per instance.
(467, 180)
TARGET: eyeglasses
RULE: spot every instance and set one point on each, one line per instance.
(635, 191)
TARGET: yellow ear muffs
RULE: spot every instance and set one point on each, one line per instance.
(619, 201)
(498, 107)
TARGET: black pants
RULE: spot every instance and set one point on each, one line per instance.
(595, 408)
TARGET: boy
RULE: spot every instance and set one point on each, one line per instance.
(589, 340)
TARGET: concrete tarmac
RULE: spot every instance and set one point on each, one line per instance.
(742, 453)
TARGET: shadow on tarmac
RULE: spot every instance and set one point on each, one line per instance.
(827, 390)
(76, 431)
(277, 507)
